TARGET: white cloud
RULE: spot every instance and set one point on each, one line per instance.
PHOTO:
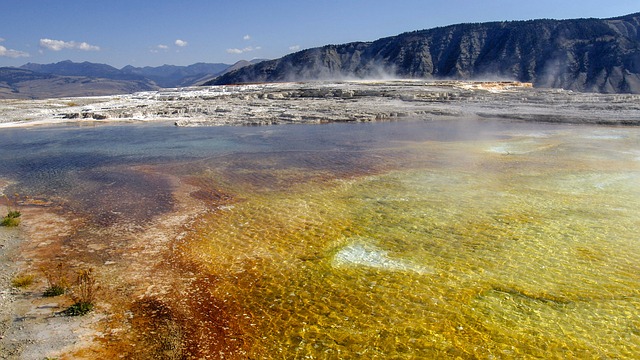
(12, 53)
(240, 51)
(294, 47)
(86, 47)
(156, 49)
(246, 37)
(57, 45)
(1, 39)
(234, 51)
(181, 43)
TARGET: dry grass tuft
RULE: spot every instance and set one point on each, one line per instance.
(22, 281)
(83, 293)
(56, 281)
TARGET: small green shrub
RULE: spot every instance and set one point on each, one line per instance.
(22, 281)
(54, 290)
(79, 309)
(12, 219)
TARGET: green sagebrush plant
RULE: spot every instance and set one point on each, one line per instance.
(13, 216)
(11, 219)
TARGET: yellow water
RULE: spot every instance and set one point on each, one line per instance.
(525, 247)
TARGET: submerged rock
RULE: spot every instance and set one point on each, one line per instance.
(361, 254)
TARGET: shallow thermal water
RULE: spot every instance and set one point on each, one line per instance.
(389, 240)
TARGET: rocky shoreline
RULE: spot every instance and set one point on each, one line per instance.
(322, 102)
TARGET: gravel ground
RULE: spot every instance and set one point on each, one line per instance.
(31, 326)
(9, 240)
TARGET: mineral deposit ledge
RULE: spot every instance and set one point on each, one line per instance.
(337, 101)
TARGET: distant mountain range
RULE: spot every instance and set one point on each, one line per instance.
(167, 76)
(17, 83)
(592, 55)
(67, 78)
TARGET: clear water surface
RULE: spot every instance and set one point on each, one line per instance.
(397, 240)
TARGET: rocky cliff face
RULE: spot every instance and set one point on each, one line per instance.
(595, 55)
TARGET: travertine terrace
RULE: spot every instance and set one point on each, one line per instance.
(319, 102)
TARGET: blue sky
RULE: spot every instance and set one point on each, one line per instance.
(156, 32)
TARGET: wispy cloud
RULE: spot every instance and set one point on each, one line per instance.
(57, 45)
(243, 50)
(181, 43)
(294, 47)
(234, 51)
(156, 49)
(12, 53)
(246, 37)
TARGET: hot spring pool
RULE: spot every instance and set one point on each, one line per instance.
(395, 240)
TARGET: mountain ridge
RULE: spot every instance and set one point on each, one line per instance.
(17, 83)
(68, 78)
(174, 75)
(589, 55)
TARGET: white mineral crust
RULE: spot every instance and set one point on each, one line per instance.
(318, 102)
